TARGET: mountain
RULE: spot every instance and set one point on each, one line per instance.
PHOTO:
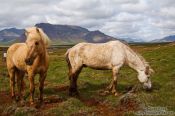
(59, 34)
(72, 34)
(10, 35)
(131, 40)
(97, 36)
(170, 38)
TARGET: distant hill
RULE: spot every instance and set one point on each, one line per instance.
(73, 34)
(131, 40)
(170, 38)
(10, 35)
(59, 34)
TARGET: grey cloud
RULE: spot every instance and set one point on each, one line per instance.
(146, 19)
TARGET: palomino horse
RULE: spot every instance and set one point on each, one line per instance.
(111, 55)
(30, 57)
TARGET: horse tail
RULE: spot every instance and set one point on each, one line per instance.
(68, 62)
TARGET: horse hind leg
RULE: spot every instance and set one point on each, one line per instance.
(20, 84)
(73, 82)
(12, 82)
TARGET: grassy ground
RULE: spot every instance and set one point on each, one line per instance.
(91, 82)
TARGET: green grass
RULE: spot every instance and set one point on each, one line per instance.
(161, 57)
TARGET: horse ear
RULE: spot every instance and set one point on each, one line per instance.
(26, 32)
(37, 30)
(151, 70)
(147, 70)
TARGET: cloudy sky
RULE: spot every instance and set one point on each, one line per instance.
(140, 19)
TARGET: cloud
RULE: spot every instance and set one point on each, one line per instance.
(140, 19)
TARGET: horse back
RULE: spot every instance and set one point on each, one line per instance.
(98, 55)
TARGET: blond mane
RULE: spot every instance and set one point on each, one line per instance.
(44, 37)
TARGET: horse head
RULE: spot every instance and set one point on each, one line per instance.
(36, 43)
(144, 77)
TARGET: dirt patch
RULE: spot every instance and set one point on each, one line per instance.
(90, 102)
(100, 108)
(5, 99)
(7, 103)
(37, 84)
(50, 102)
(53, 99)
(104, 109)
(4, 74)
(128, 103)
(61, 88)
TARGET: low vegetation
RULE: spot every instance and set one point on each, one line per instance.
(91, 82)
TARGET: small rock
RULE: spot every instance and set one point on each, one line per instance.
(25, 110)
(10, 110)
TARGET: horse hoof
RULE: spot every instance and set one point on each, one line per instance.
(40, 100)
(73, 92)
(104, 92)
(32, 104)
(116, 94)
(18, 99)
(70, 94)
(13, 98)
(38, 105)
(21, 103)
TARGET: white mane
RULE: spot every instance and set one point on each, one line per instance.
(145, 63)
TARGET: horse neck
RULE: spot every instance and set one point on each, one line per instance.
(135, 62)
(42, 56)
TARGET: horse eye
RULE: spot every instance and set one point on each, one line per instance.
(36, 43)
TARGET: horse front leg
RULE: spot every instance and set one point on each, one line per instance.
(23, 85)
(114, 84)
(112, 87)
(109, 88)
(19, 79)
(41, 85)
(32, 88)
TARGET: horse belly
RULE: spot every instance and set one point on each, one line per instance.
(98, 63)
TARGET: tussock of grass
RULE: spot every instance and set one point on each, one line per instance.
(71, 106)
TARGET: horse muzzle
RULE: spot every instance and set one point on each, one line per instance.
(147, 86)
(29, 61)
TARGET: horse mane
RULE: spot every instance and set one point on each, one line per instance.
(142, 59)
(44, 37)
(149, 70)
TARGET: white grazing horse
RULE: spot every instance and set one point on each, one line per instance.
(111, 55)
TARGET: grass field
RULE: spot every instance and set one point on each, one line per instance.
(90, 82)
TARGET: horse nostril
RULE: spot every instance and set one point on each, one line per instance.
(28, 61)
